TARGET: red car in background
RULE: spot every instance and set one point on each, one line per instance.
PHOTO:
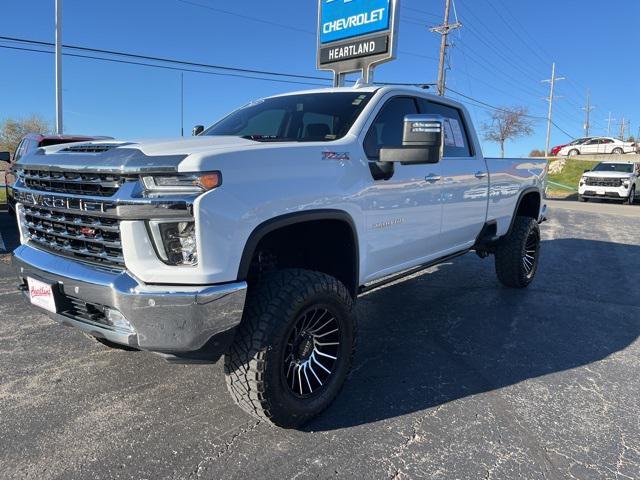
(29, 144)
(555, 150)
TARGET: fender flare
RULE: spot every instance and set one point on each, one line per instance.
(523, 194)
(289, 219)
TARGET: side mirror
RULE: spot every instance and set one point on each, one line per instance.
(197, 130)
(422, 141)
(5, 157)
(587, 171)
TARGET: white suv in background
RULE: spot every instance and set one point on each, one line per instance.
(613, 180)
(599, 146)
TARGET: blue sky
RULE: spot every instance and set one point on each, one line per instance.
(500, 57)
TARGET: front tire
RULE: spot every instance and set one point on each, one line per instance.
(582, 199)
(632, 197)
(293, 349)
(518, 253)
(574, 153)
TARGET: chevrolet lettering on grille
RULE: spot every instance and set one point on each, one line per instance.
(49, 201)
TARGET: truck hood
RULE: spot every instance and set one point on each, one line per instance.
(608, 175)
(131, 156)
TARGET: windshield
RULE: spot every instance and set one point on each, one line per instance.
(614, 167)
(579, 141)
(311, 117)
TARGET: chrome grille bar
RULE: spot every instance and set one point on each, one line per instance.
(76, 183)
(58, 216)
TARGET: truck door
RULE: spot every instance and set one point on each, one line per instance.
(402, 205)
(465, 180)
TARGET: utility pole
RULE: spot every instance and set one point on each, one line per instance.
(58, 9)
(609, 120)
(444, 30)
(182, 104)
(588, 108)
(552, 81)
(623, 127)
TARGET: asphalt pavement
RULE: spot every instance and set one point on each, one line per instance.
(454, 377)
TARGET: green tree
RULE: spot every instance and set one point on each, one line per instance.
(507, 124)
(13, 130)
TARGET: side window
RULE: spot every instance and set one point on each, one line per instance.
(607, 140)
(592, 142)
(456, 138)
(388, 127)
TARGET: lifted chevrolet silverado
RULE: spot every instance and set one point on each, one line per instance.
(265, 228)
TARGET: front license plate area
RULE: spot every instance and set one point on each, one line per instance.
(41, 294)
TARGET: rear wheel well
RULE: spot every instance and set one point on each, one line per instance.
(322, 245)
(529, 206)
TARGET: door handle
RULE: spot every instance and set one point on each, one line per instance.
(480, 175)
(432, 178)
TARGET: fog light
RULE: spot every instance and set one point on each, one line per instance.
(625, 185)
(175, 242)
(117, 320)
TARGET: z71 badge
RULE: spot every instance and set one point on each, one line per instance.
(336, 156)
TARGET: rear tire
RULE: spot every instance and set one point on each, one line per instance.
(293, 349)
(617, 151)
(518, 253)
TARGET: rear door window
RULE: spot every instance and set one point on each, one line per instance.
(456, 137)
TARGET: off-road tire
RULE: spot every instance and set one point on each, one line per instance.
(511, 268)
(254, 363)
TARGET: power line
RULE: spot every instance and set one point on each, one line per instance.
(282, 25)
(493, 107)
(164, 59)
(165, 67)
(182, 69)
(245, 17)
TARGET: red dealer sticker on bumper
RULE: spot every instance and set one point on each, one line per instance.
(41, 295)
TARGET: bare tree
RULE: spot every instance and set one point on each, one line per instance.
(536, 153)
(507, 124)
(13, 130)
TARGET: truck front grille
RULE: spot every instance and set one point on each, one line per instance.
(74, 183)
(604, 182)
(81, 235)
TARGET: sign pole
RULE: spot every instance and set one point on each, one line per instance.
(58, 61)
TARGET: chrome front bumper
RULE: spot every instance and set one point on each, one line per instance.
(170, 319)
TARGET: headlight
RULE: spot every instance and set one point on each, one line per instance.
(182, 182)
(175, 242)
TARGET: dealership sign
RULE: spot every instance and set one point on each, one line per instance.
(356, 35)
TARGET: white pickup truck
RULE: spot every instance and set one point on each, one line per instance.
(256, 236)
(611, 180)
